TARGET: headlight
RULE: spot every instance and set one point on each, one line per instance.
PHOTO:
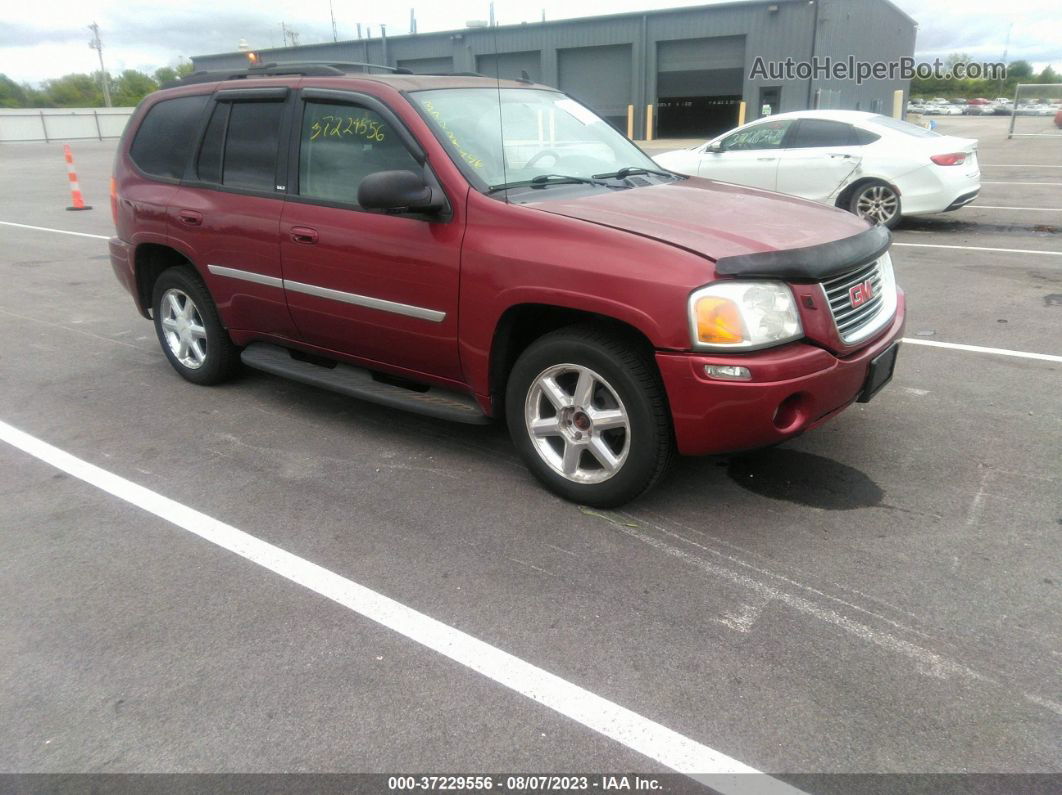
(743, 316)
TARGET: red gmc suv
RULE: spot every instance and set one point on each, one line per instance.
(470, 248)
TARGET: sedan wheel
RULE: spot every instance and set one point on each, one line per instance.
(878, 203)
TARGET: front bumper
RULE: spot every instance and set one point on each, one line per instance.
(794, 388)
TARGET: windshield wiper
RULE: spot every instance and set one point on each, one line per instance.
(627, 171)
(548, 179)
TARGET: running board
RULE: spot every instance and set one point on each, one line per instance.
(357, 382)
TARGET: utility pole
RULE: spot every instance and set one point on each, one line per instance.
(412, 21)
(97, 45)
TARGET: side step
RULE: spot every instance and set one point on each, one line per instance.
(359, 383)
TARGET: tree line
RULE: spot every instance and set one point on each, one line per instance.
(86, 90)
(1017, 72)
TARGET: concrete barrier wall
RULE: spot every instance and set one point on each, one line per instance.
(62, 124)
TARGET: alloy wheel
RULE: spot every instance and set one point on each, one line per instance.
(878, 203)
(183, 327)
(577, 424)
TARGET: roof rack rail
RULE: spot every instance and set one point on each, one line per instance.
(315, 69)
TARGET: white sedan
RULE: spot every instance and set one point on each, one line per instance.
(875, 166)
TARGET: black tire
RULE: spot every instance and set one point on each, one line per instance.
(219, 358)
(879, 192)
(627, 382)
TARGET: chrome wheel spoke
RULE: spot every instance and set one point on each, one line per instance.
(606, 420)
(572, 454)
(554, 394)
(197, 332)
(584, 389)
(545, 426)
(600, 450)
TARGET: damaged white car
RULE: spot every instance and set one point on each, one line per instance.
(875, 166)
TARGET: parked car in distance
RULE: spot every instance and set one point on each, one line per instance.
(428, 243)
(875, 166)
(1058, 118)
(979, 101)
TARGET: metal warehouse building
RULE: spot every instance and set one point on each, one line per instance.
(692, 64)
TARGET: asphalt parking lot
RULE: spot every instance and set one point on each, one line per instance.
(880, 595)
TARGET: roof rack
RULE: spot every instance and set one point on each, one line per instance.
(315, 69)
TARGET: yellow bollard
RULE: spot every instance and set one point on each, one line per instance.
(648, 122)
(630, 122)
(741, 113)
(897, 103)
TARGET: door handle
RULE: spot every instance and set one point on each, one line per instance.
(190, 217)
(766, 159)
(838, 154)
(304, 235)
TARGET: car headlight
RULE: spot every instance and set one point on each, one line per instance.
(743, 316)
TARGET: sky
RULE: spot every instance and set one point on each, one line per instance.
(50, 38)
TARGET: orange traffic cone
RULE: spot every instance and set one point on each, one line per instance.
(75, 189)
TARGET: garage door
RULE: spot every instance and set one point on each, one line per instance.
(699, 85)
(599, 77)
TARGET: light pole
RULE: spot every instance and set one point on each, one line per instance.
(97, 45)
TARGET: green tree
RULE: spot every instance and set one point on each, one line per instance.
(12, 95)
(1048, 75)
(1019, 70)
(130, 87)
(73, 91)
(165, 74)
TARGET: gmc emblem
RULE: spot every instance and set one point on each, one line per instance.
(861, 293)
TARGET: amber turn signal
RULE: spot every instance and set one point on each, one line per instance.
(718, 321)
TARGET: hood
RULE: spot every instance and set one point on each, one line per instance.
(713, 219)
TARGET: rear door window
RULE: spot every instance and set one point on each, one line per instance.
(250, 154)
(820, 132)
(165, 137)
(342, 144)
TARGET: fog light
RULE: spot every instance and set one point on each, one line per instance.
(728, 372)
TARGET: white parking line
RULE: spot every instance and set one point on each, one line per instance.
(982, 248)
(1016, 165)
(57, 231)
(632, 730)
(1044, 357)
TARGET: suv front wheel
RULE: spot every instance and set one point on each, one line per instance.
(588, 414)
(189, 329)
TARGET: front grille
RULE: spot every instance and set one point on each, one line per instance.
(852, 321)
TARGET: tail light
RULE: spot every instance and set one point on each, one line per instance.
(114, 201)
(953, 159)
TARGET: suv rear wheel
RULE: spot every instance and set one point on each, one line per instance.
(587, 412)
(189, 330)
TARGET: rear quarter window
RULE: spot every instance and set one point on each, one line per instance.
(166, 136)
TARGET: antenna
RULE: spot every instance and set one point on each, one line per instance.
(332, 11)
(412, 21)
(501, 121)
(97, 45)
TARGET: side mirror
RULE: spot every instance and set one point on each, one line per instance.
(714, 146)
(398, 190)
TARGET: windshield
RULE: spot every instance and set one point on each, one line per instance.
(544, 132)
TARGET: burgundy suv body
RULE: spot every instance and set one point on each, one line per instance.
(322, 218)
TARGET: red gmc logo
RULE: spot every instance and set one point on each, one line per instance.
(861, 293)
